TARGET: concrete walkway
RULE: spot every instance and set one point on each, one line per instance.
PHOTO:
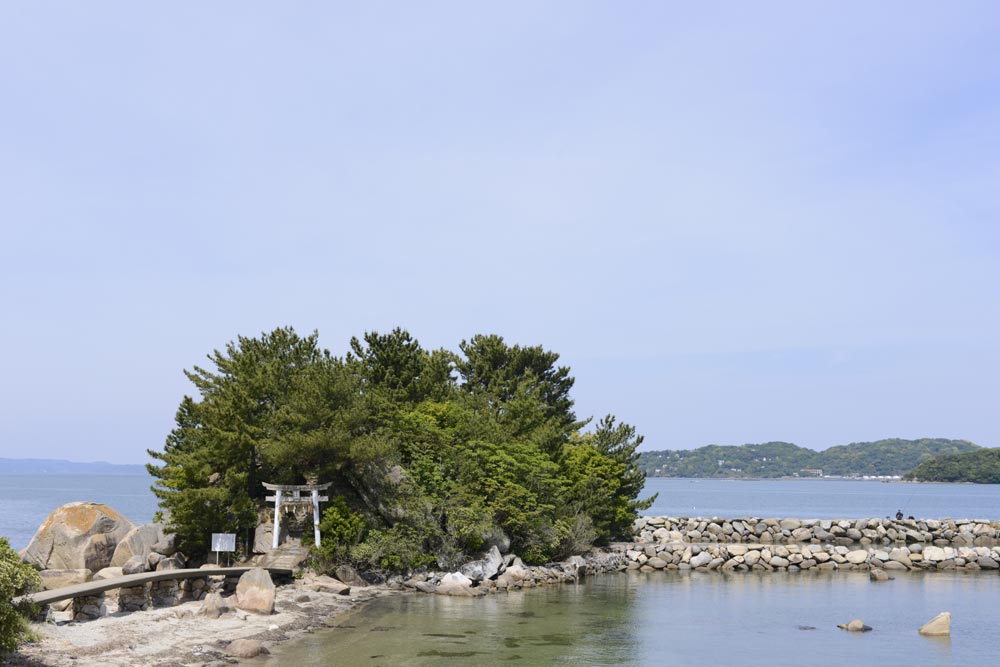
(130, 580)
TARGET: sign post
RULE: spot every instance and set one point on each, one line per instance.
(223, 542)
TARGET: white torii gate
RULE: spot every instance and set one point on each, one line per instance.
(294, 498)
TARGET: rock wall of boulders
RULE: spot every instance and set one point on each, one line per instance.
(752, 544)
(732, 557)
(842, 532)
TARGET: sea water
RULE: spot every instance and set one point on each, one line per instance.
(25, 500)
(672, 618)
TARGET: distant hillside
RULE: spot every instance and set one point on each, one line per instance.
(783, 459)
(979, 467)
(60, 467)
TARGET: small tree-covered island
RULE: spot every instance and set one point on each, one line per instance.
(433, 456)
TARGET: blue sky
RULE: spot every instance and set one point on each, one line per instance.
(735, 223)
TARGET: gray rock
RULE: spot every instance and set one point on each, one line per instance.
(135, 565)
(169, 564)
(656, 563)
(350, 576)
(878, 574)
(704, 558)
(487, 567)
(137, 542)
(457, 584)
(263, 538)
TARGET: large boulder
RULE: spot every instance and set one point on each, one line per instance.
(53, 579)
(139, 541)
(255, 592)
(77, 536)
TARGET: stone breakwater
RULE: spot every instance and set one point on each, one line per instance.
(792, 545)
(841, 532)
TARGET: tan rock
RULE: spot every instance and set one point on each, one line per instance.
(855, 626)
(77, 536)
(939, 626)
(857, 556)
(108, 573)
(246, 648)
(53, 579)
(213, 606)
(325, 584)
(255, 592)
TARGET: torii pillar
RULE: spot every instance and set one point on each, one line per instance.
(291, 494)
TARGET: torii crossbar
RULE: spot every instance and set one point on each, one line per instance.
(291, 494)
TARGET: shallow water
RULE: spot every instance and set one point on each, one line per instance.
(672, 618)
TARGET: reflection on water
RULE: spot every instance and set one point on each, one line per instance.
(673, 618)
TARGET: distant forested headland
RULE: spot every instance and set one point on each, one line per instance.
(883, 458)
(981, 466)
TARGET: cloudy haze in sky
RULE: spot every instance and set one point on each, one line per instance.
(749, 222)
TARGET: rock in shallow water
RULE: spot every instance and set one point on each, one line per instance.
(855, 626)
(939, 626)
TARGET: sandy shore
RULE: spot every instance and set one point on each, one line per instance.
(178, 636)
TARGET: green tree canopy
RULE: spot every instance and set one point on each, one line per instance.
(433, 455)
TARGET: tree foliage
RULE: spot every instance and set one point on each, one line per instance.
(16, 579)
(978, 467)
(434, 455)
